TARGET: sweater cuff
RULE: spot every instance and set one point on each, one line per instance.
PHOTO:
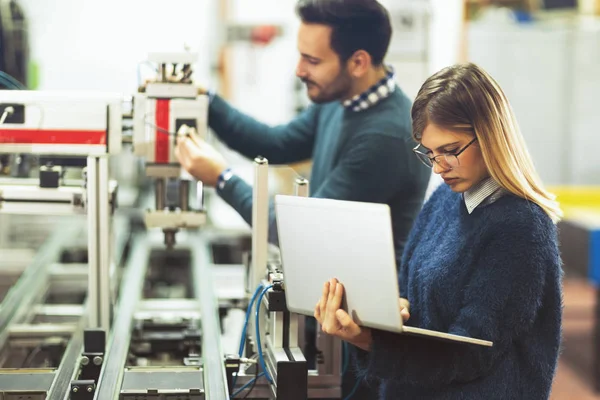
(227, 191)
(238, 194)
(379, 352)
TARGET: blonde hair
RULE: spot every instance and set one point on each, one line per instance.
(465, 98)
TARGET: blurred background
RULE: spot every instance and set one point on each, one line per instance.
(544, 53)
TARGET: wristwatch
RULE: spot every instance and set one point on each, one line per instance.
(223, 178)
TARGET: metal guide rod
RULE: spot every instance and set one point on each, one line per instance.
(301, 187)
(260, 223)
(297, 322)
(98, 211)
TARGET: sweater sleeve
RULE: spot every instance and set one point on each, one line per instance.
(282, 144)
(499, 304)
(369, 171)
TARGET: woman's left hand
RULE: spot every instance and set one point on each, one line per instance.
(335, 321)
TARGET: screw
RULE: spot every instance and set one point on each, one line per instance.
(75, 389)
(90, 389)
(85, 360)
(97, 360)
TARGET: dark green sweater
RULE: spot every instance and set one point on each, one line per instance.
(360, 156)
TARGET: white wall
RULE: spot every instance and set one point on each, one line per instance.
(96, 45)
(553, 90)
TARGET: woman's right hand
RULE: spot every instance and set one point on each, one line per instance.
(404, 308)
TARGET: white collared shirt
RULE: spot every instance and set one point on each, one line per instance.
(485, 192)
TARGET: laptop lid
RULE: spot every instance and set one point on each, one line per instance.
(320, 239)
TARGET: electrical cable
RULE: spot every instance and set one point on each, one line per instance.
(261, 358)
(256, 376)
(245, 328)
(250, 382)
(4, 77)
(32, 355)
(247, 319)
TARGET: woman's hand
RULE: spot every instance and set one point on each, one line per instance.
(335, 321)
(404, 308)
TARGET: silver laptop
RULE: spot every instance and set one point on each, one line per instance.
(320, 239)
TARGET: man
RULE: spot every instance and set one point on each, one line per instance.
(357, 132)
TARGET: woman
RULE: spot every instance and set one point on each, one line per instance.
(482, 259)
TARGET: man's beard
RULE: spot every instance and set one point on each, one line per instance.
(334, 90)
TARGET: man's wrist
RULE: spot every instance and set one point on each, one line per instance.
(223, 178)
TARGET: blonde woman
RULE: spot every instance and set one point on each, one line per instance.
(482, 259)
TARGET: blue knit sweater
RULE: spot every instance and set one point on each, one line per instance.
(495, 275)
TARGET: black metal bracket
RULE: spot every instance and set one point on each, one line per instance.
(92, 359)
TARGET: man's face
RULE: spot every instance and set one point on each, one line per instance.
(319, 67)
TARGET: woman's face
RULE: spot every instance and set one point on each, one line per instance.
(459, 171)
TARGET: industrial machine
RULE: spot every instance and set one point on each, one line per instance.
(164, 106)
(107, 310)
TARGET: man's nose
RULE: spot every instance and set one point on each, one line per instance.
(300, 71)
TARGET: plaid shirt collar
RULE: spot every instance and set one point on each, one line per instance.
(374, 94)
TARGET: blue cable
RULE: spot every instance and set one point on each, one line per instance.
(258, 343)
(250, 382)
(248, 313)
(244, 330)
(9, 79)
(8, 84)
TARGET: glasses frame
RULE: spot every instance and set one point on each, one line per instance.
(434, 160)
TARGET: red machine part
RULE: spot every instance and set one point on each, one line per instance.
(163, 137)
(52, 136)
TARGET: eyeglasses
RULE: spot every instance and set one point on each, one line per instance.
(446, 160)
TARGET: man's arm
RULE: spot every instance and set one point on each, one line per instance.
(282, 144)
(369, 171)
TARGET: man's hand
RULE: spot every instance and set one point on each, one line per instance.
(200, 159)
(335, 321)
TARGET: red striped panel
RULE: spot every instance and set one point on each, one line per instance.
(161, 152)
(52, 136)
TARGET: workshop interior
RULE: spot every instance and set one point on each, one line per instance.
(122, 277)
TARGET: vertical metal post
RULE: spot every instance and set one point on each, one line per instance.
(301, 187)
(160, 190)
(99, 233)
(298, 322)
(184, 195)
(260, 223)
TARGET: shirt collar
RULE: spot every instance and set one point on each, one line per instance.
(374, 94)
(480, 192)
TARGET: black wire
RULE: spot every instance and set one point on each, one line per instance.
(32, 355)
(253, 383)
(159, 129)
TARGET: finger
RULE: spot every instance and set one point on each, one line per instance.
(332, 285)
(196, 139)
(182, 153)
(183, 148)
(323, 302)
(336, 300)
(317, 313)
(333, 304)
(404, 303)
(350, 327)
(404, 314)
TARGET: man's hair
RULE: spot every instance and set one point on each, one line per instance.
(355, 25)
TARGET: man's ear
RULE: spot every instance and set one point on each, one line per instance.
(359, 63)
